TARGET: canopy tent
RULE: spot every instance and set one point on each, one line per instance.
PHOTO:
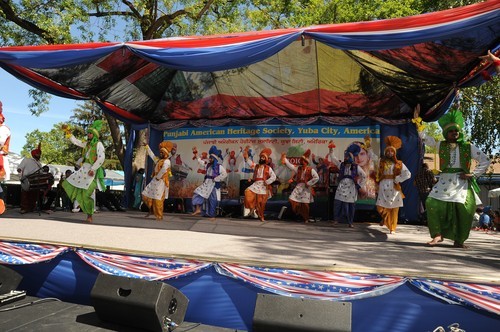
(380, 68)
(494, 193)
(377, 71)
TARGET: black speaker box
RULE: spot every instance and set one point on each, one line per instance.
(149, 305)
(279, 313)
(9, 279)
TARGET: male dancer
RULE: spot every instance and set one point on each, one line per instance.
(209, 191)
(81, 185)
(453, 199)
(351, 178)
(257, 194)
(391, 173)
(303, 194)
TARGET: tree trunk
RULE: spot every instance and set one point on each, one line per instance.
(140, 153)
(116, 135)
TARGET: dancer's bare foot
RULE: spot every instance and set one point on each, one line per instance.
(262, 219)
(196, 212)
(89, 218)
(212, 218)
(147, 215)
(435, 241)
(460, 245)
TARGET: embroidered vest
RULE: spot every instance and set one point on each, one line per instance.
(158, 167)
(307, 176)
(465, 155)
(265, 174)
(352, 176)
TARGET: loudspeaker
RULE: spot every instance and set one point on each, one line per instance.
(149, 305)
(9, 279)
(279, 313)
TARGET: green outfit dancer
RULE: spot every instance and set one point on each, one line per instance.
(81, 185)
(453, 199)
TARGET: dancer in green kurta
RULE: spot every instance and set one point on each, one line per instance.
(81, 185)
(453, 199)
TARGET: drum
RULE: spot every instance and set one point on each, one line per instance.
(180, 172)
(37, 181)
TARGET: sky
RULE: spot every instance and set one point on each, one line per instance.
(15, 99)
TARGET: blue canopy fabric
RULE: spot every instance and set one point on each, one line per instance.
(381, 69)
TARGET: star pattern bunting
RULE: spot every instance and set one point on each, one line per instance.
(335, 286)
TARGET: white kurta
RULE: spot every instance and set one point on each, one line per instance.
(346, 190)
(156, 188)
(450, 187)
(389, 197)
(29, 166)
(4, 135)
(205, 189)
(260, 186)
(81, 178)
(302, 191)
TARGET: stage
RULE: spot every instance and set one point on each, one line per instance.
(321, 246)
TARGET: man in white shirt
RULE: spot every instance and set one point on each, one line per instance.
(27, 167)
(453, 199)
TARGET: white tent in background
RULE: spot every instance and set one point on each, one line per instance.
(493, 193)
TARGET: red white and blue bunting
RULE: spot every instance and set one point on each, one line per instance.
(324, 285)
(149, 268)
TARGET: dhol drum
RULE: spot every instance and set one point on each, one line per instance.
(180, 172)
(37, 181)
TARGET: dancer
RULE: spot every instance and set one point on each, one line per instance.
(453, 199)
(156, 191)
(81, 185)
(4, 148)
(4, 159)
(260, 191)
(351, 178)
(209, 191)
(305, 177)
(391, 173)
(27, 167)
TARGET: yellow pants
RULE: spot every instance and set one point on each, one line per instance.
(389, 216)
(155, 206)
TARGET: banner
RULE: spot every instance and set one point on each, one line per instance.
(188, 173)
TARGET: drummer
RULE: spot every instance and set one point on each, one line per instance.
(27, 167)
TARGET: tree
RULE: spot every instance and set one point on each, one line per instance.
(481, 111)
(46, 22)
(433, 130)
(55, 148)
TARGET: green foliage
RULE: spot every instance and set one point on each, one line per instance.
(433, 130)
(481, 109)
(54, 146)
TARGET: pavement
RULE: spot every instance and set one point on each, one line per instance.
(320, 246)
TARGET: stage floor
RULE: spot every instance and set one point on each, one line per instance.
(366, 248)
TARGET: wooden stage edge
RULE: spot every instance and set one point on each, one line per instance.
(321, 246)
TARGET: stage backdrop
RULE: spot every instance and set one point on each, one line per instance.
(293, 140)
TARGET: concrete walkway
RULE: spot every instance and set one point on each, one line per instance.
(367, 248)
